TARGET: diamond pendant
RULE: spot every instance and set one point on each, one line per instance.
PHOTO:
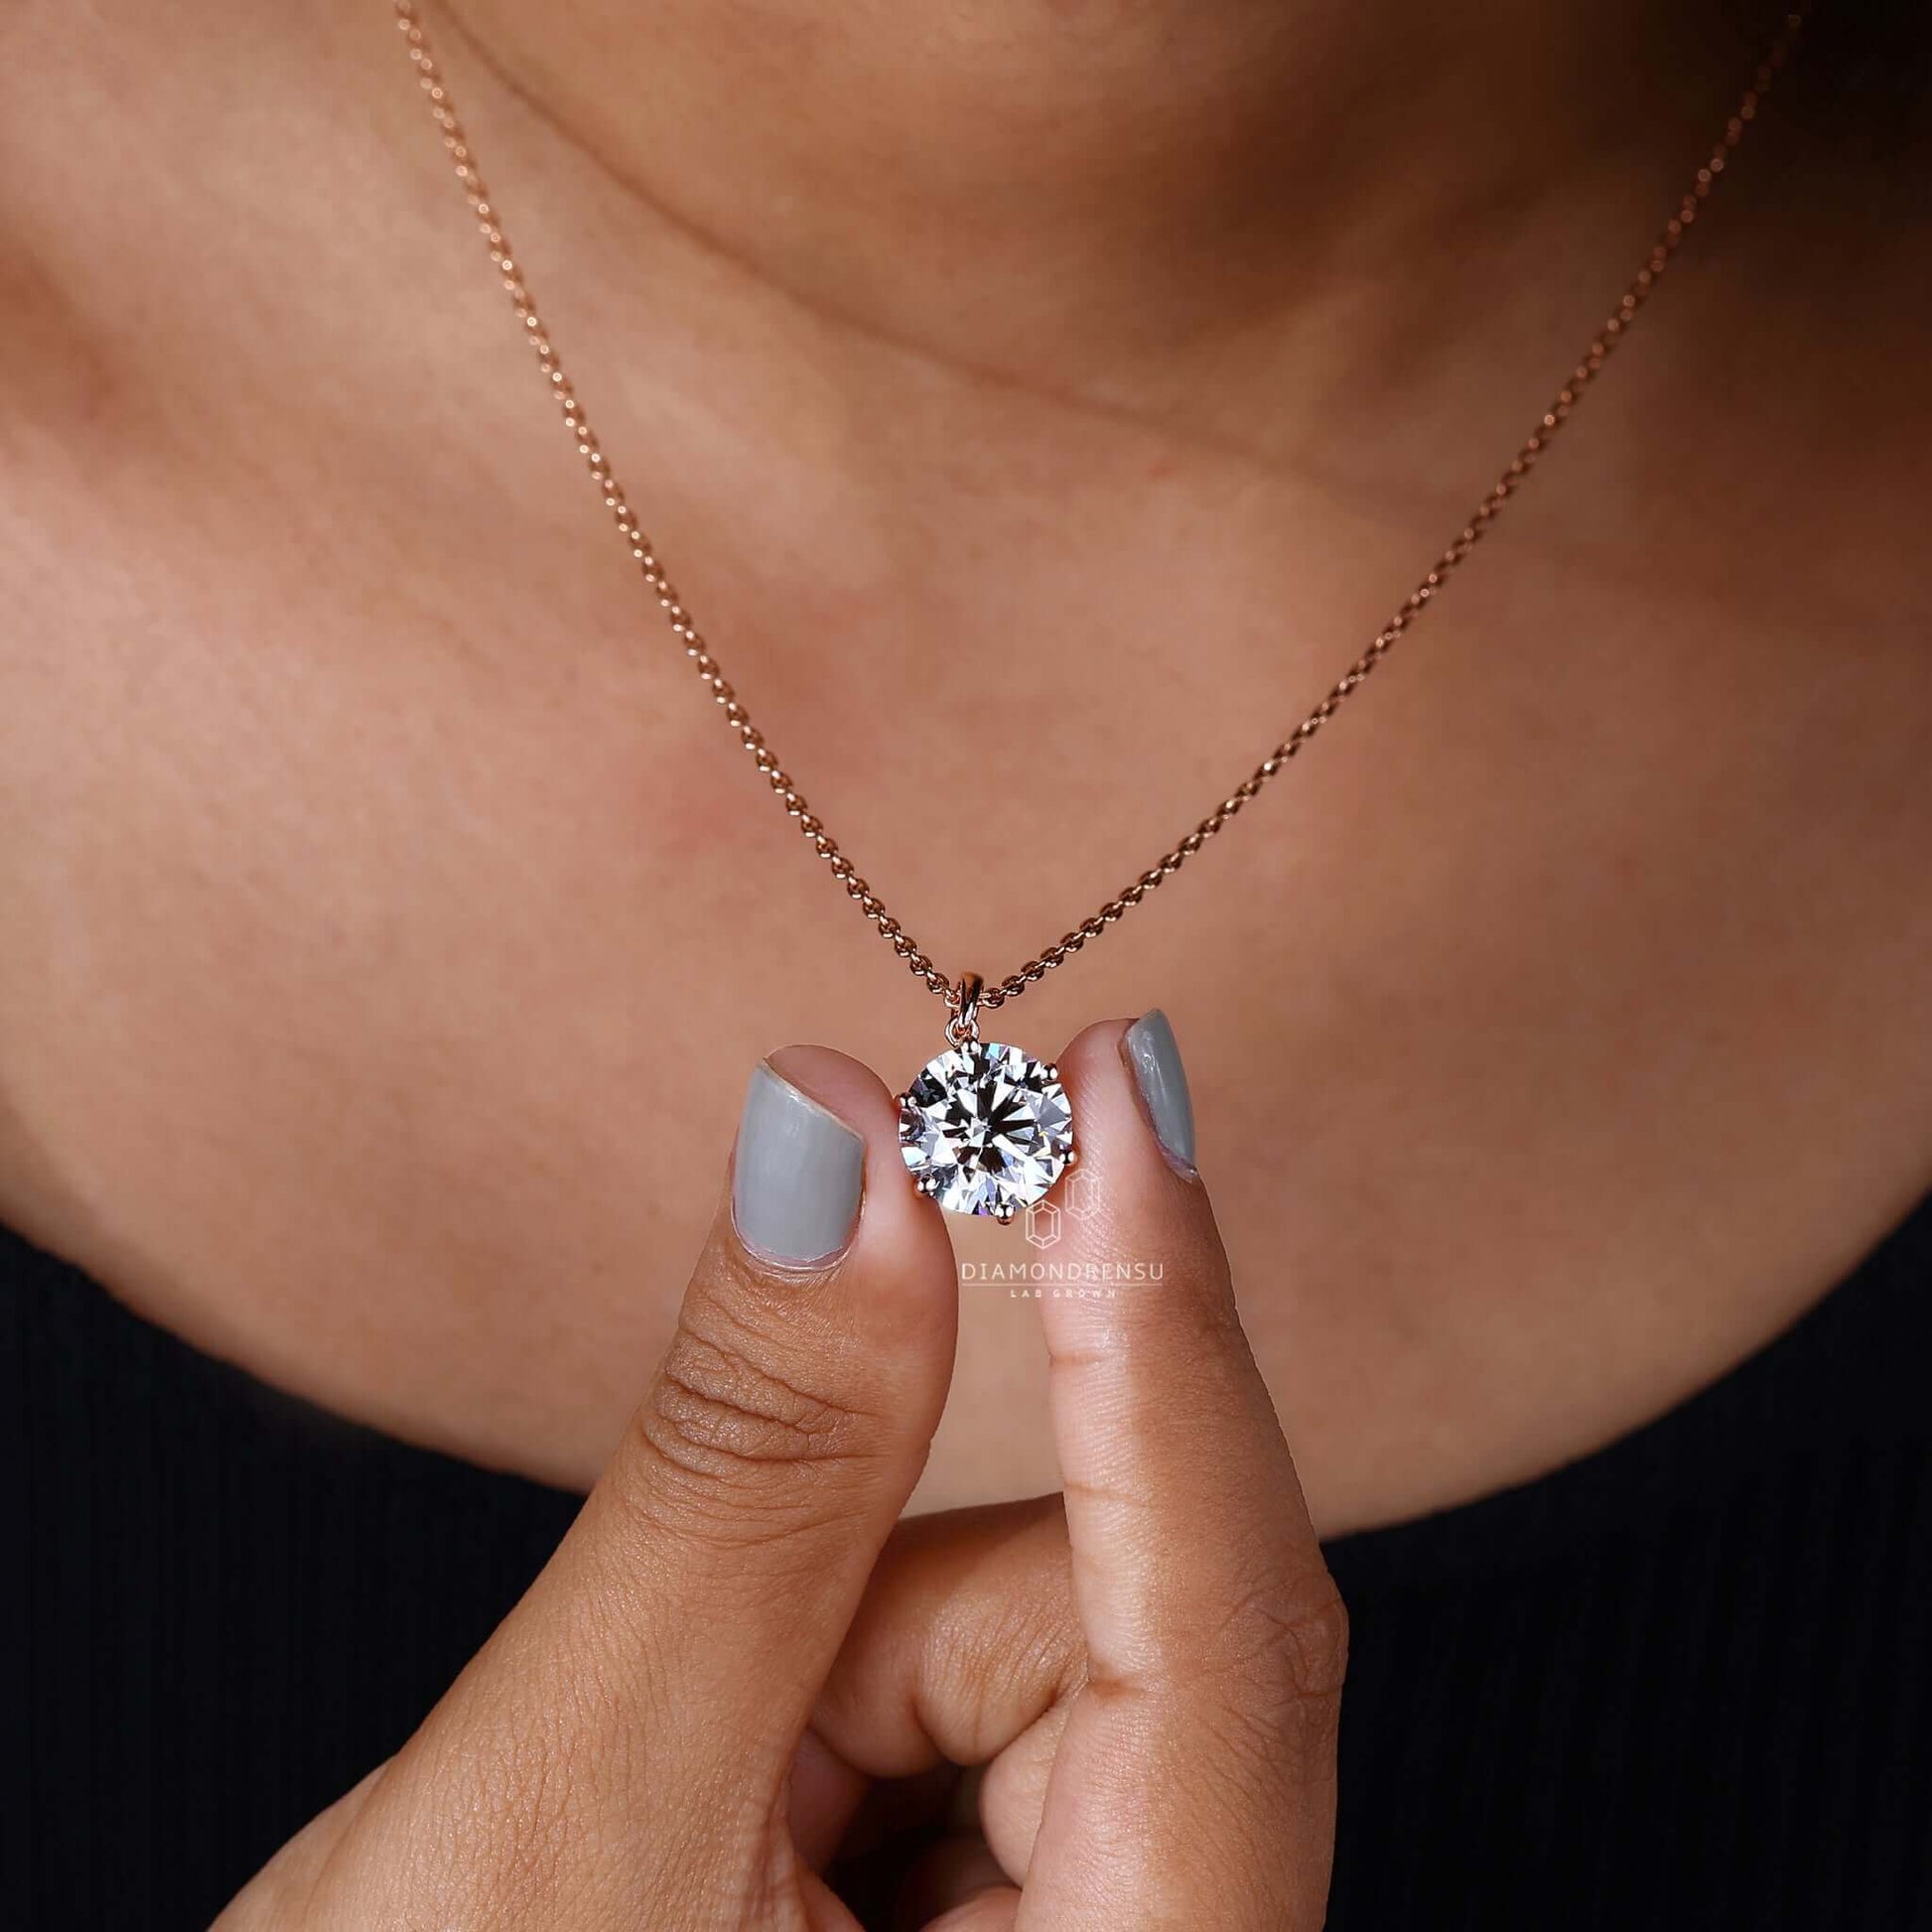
(985, 1128)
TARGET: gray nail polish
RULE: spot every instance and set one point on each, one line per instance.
(797, 1173)
(1155, 1061)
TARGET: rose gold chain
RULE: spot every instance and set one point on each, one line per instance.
(1481, 519)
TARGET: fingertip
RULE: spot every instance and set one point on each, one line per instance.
(1147, 1274)
(817, 1163)
(846, 1088)
(797, 1173)
(1133, 1122)
(1153, 1056)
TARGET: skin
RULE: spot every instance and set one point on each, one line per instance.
(674, 1725)
(388, 923)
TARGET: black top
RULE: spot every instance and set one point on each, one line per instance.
(1683, 1682)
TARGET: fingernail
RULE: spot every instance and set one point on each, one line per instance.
(796, 1176)
(1155, 1060)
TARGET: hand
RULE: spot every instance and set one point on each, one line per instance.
(675, 1725)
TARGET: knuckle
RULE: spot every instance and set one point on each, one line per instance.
(727, 1442)
(1316, 1637)
(997, 1678)
(716, 1409)
(1282, 1655)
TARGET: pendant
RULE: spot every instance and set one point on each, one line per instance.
(985, 1128)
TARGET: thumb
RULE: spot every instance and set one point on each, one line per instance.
(792, 1416)
(678, 1638)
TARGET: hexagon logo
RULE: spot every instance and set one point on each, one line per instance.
(1081, 1195)
(1042, 1223)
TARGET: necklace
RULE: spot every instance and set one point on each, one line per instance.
(985, 1128)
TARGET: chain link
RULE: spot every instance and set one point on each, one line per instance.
(462, 159)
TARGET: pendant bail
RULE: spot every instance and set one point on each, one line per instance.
(964, 1026)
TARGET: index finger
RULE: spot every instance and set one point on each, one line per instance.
(1196, 1781)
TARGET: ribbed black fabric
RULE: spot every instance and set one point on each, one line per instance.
(1683, 1683)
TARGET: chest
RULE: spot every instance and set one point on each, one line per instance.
(390, 925)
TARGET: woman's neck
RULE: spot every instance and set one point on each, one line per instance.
(1063, 191)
